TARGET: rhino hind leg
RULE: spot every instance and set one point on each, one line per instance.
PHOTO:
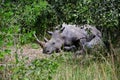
(90, 37)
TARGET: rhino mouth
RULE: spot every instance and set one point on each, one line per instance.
(50, 52)
(47, 52)
(58, 50)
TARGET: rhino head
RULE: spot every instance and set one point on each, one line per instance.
(54, 44)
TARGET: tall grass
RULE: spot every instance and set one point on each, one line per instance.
(90, 70)
(95, 71)
(65, 67)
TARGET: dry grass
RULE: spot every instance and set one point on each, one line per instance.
(70, 68)
(26, 51)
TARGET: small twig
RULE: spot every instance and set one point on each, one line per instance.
(111, 46)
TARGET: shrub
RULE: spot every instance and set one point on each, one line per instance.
(103, 14)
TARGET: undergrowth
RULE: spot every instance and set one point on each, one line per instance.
(64, 66)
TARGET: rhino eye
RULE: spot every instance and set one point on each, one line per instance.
(81, 27)
(53, 43)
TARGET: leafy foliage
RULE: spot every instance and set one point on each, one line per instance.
(42, 16)
(103, 14)
(62, 67)
(21, 13)
(20, 18)
(39, 70)
(16, 21)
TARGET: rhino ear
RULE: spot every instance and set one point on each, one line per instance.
(61, 30)
(58, 27)
(49, 32)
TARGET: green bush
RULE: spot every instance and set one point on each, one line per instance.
(103, 14)
(16, 20)
(21, 14)
(20, 18)
(38, 70)
(42, 16)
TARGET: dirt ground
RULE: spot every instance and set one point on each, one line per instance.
(25, 52)
(28, 53)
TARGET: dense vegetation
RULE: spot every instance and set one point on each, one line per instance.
(19, 19)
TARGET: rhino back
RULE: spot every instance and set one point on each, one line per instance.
(72, 33)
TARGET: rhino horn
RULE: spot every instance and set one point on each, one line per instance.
(41, 43)
(45, 39)
(49, 32)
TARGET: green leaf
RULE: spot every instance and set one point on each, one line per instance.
(7, 51)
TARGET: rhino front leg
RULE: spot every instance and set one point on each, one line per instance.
(69, 48)
(81, 51)
(58, 50)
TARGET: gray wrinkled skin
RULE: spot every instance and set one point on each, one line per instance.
(93, 29)
(54, 44)
(72, 33)
(73, 36)
(93, 42)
